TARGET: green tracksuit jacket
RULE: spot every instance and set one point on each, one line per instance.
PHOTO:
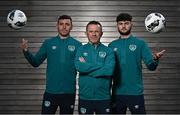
(95, 74)
(129, 54)
(60, 72)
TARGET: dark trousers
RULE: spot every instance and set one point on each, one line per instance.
(94, 106)
(52, 101)
(135, 103)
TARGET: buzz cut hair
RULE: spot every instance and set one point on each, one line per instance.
(95, 23)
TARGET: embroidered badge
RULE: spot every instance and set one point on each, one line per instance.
(102, 54)
(115, 49)
(47, 103)
(83, 110)
(72, 106)
(132, 47)
(85, 54)
(71, 48)
(107, 110)
(136, 106)
(54, 47)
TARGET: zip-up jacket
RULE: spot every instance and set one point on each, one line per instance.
(129, 54)
(60, 72)
(95, 73)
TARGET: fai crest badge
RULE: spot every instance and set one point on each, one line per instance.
(83, 110)
(71, 48)
(47, 103)
(102, 54)
(132, 47)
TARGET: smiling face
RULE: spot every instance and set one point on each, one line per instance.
(94, 33)
(64, 26)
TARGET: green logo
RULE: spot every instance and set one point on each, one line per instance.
(102, 54)
(83, 110)
(132, 47)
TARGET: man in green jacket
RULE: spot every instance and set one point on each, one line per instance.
(128, 82)
(95, 63)
(60, 73)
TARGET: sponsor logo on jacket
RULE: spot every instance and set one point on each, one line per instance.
(54, 47)
(85, 54)
(71, 48)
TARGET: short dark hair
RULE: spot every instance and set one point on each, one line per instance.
(65, 17)
(124, 17)
(94, 22)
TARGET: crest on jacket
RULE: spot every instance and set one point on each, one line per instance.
(102, 54)
(132, 47)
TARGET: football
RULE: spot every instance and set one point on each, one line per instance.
(155, 22)
(16, 19)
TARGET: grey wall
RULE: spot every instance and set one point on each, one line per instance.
(22, 86)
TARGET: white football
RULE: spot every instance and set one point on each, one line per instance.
(155, 22)
(16, 19)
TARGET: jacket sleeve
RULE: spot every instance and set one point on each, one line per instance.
(148, 58)
(84, 67)
(38, 58)
(108, 68)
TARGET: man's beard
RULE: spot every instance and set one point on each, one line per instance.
(125, 33)
(66, 34)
